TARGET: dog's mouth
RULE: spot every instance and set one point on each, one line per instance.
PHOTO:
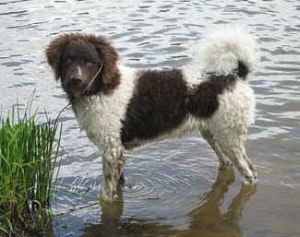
(77, 89)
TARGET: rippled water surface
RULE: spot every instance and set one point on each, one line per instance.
(173, 188)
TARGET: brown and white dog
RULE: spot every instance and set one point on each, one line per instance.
(121, 108)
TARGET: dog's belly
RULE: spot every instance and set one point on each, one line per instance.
(189, 126)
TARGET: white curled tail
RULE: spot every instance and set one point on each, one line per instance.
(229, 50)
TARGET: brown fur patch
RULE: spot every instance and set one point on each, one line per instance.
(242, 70)
(203, 99)
(157, 106)
(54, 51)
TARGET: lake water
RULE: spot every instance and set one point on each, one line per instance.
(173, 188)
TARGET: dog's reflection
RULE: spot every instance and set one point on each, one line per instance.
(206, 219)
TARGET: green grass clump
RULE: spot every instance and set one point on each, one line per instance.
(28, 155)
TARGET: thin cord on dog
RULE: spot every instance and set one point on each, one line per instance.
(92, 81)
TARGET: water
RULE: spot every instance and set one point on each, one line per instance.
(171, 187)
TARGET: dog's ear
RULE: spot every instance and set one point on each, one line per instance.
(54, 52)
(109, 56)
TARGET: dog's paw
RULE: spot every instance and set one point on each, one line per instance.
(254, 171)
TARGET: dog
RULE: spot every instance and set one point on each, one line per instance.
(122, 108)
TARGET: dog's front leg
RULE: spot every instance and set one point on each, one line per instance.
(111, 158)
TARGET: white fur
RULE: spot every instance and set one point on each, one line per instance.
(101, 115)
(224, 47)
(79, 71)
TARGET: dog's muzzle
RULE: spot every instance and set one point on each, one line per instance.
(74, 85)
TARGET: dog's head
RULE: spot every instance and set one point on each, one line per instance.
(85, 64)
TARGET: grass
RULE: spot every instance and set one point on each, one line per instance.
(28, 156)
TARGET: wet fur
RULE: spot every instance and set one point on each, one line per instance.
(125, 108)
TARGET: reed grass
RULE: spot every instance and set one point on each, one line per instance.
(28, 156)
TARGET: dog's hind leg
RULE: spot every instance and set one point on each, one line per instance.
(113, 165)
(233, 147)
(225, 163)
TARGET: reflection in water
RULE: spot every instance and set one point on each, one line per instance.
(206, 219)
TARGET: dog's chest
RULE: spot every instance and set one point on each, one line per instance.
(100, 119)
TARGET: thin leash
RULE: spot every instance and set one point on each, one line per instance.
(92, 81)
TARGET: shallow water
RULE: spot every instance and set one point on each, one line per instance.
(173, 188)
